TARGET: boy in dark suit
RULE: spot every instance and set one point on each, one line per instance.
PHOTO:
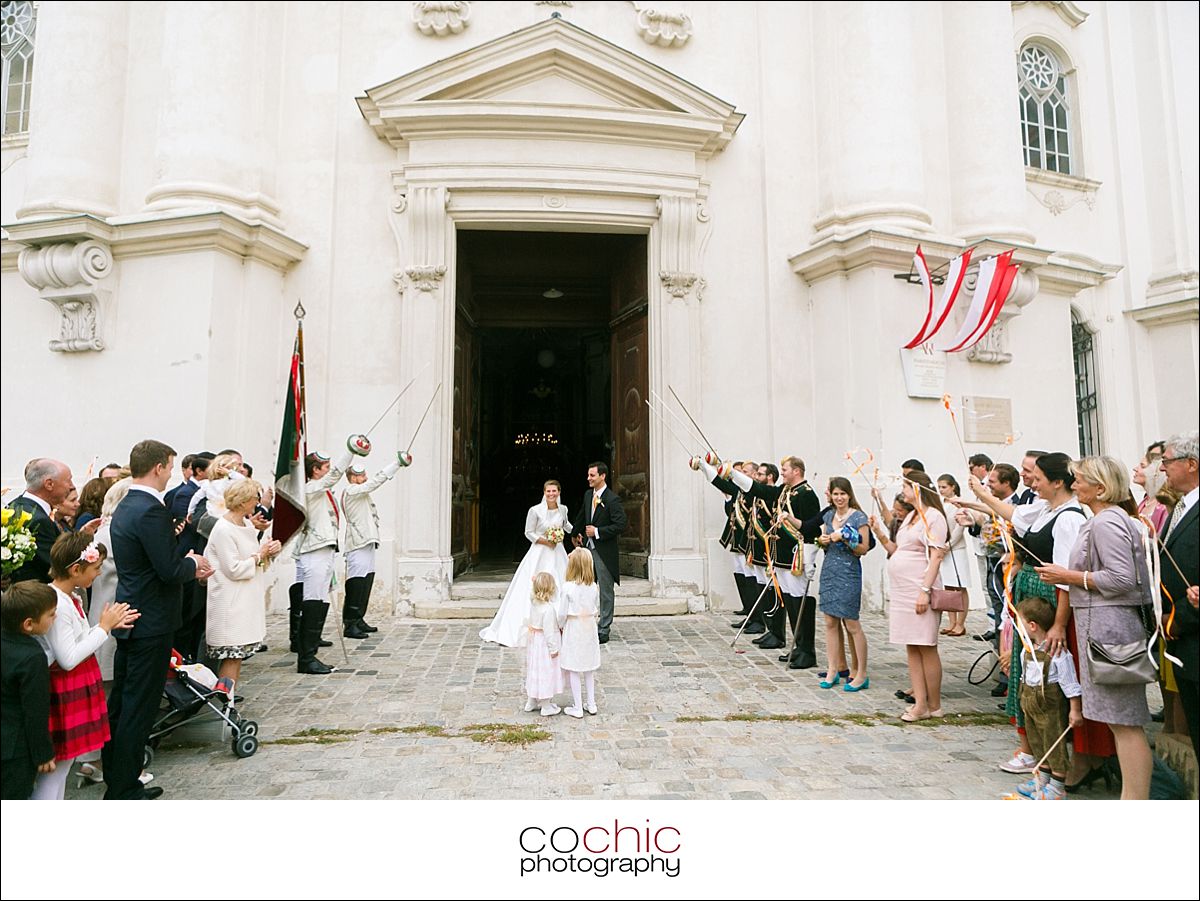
(26, 610)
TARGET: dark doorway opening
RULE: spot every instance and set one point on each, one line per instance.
(550, 357)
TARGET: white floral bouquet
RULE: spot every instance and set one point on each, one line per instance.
(555, 535)
(19, 545)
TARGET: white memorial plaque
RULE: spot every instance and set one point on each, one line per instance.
(987, 420)
(924, 372)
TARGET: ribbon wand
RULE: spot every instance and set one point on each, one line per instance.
(946, 400)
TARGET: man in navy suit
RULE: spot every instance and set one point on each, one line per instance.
(1181, 541)
(150, 574)
(47, 484)
(603, 521)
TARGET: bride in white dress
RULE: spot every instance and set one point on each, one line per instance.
(544, 555)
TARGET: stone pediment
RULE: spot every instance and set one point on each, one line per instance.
(552, 78)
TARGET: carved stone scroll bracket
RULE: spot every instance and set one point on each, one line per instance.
(993, 347)
(665, 29)
(425, 278)
(441, 19)
(396, 210)
(70, 276)
(678, 284)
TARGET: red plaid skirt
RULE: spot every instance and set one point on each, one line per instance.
(78, 711)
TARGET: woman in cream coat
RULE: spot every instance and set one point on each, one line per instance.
(237, 589)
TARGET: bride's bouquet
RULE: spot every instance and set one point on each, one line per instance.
(555, 535)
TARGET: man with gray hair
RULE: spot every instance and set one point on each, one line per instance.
(1180, 542)
(47, 484)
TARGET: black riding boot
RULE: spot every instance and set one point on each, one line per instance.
(774, 622)
(792, 605)
(312, 620)
(804, 654)
(363, 625)
(295, 606)
(352, 608)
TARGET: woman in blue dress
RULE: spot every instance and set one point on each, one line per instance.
(845, 538)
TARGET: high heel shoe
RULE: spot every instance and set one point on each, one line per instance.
(827, 684)
(1097, 772)
(850, 686)
(88, 775)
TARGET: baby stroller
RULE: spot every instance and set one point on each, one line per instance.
(189, 693)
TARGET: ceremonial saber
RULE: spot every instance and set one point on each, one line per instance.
(689, 416)
(687, 428)
(754, 607)
(428, 406)
(803, 598)
(395, 401)
(669, 429)
(761, 594)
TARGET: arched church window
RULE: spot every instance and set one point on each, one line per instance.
(1087, 404)
(1045, 110)
(17, 25)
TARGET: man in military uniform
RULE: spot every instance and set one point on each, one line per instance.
(794, 510)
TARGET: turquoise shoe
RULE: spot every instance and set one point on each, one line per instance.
(824, 684)
(850, 686)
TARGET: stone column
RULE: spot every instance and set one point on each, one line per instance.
(78, 105)
(425, 237)
(867, 97)
(208, 150)
(987, 169)
(677, 564)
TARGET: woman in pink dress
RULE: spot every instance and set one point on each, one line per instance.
(914, 561)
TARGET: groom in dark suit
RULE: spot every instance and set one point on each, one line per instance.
(603, 520)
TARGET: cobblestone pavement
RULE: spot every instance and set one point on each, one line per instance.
(657, 672)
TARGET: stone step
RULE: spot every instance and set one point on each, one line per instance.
(492, 589)
(480, 599)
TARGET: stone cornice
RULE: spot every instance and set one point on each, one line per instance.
(1064, 274)
(148, 236)
(1187, 310)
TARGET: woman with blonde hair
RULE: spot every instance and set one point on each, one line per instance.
(1110, 593)
(578, 614)
(222, 472)
(236, 618)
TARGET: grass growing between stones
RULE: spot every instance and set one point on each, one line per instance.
(505, 733)
(867, 720)
(482, 733)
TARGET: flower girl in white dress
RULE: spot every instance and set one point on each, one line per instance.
(543, 678)
(544, 527)
(578, 613)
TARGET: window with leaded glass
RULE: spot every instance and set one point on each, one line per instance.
(1087, 405)
(1045, 110)
(17, 26)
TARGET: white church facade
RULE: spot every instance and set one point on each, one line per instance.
(560, 211)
